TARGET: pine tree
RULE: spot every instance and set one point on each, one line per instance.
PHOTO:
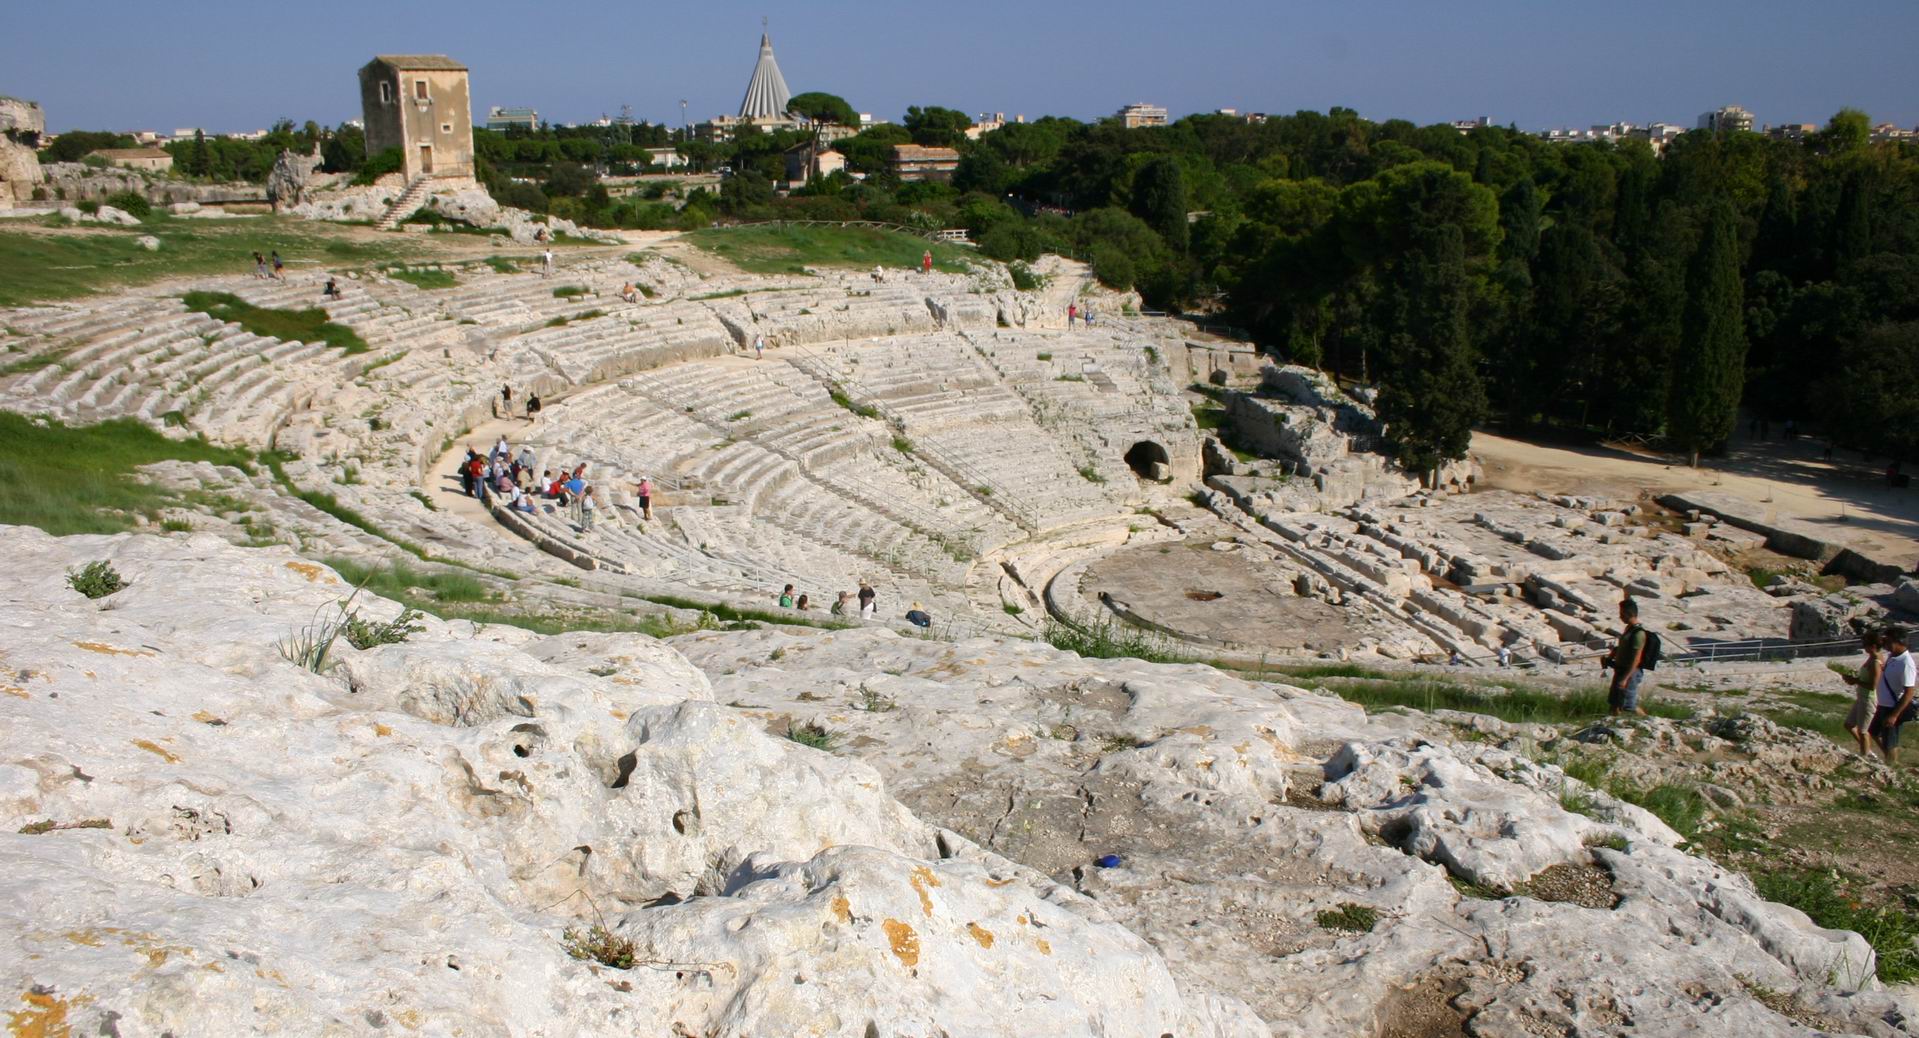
(1710, 370)
(1430, 395)
(1160, 199)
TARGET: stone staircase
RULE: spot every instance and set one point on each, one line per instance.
(406, 205)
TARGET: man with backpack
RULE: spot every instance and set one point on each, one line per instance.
(1637, 652)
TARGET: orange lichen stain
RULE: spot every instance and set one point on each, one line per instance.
(152, 747)
(15, 691)
(980, 934)
(310, 571)
(905, 942)
(921, 879)
(998, 883)
(213, 967)
(843, 909)
(618, 715)
(44, 1017)
(1044, 948)
(1021, 920)
(409, 1018)
(1243, 747)
(108, 650)
(381, 730)
(1200, 730)
(86, 938)
(206, 718)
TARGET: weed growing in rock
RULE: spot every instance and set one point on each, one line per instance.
(365, 634)
(49, 825)
(1113, 742)
(811, 734)
(96, 579)
(598, 944)
(1348, 918)
(874, 703)
(311, 647)
(1011, 609)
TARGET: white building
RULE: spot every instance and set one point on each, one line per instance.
(1731, 117)
(1134, 116)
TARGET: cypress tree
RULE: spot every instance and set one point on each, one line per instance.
(1710, 370)
(1160, 199)
(1430, 395)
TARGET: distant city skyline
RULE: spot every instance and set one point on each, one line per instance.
(235, 67)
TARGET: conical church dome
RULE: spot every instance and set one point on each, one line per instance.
(766, 95)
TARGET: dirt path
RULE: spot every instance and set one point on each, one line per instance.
(1847, 497)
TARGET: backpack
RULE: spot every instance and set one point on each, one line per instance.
(1649, 659)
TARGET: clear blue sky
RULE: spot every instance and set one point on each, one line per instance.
(226, 65)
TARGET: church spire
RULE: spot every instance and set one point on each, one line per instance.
(766, 93)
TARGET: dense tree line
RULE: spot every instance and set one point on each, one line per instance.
(1593, 287)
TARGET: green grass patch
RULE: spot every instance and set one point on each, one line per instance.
(424, 277)
(569, 291)
(1890, 931)
(1109, 640)
(286, 325)
(1518, 705)
(457, 596)
(503, 264)
(80, 479)
(903, 445)
(729, 614)
(400, 582)
(776, 249)
(43, 265)
(1348, 918)
(1209, 419)
(728, 294)
(861, 410)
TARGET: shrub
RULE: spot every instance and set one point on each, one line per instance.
(377, 166)
(96, 579)
(1023, 277)
(131, 202)
(89, 206)
(903, 445)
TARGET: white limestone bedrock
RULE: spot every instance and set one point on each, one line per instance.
(1023, 747)
(400, 842)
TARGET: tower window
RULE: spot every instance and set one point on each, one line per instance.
(386, 93)
(419, 90)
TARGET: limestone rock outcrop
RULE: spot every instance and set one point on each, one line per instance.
(20, 173)
(203, 837)
(290, 177)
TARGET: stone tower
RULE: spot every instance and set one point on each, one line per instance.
(419, 104)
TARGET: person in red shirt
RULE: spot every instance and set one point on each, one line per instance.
(926, 262)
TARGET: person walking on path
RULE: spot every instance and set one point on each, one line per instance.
(759, 346)
(1072, 314)
(1625, 658)
(533, 408)
(926, 262)
(1895, 685)
(869, 604)
(1865, 688)
(645, 493)
(546, 263)
(259, 265)
(279, 268)
(506, 401)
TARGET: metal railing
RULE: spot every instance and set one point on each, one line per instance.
(878, 225)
